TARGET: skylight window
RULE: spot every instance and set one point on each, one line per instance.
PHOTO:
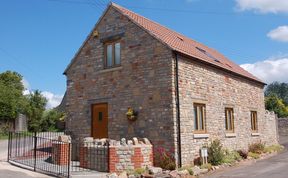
(180, 38)
(229, 65)
(207, 54)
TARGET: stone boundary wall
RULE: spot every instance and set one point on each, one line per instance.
(121, 155)
(283, 126)
(270, 130)
(94, 154)
(130, 155)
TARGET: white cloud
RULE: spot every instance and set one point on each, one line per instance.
(279, 34)
(53, 99)
(269, 70)
(26, 85)
(264, 6)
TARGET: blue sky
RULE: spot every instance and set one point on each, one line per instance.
(38, 38)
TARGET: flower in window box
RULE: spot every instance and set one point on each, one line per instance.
(131, 114)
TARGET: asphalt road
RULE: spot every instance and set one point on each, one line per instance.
(9, 171)
(274, 167)
(3, 150)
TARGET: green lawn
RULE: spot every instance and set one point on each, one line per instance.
(3, 137)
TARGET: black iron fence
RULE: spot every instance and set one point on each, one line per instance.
(44, 152)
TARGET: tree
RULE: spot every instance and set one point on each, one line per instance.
(11, 95)
(35, 107)
(50, 119)
(273, 103)
(278, 89)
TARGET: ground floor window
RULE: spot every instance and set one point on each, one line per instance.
(199, 118)
(254, 121)
(229, 119)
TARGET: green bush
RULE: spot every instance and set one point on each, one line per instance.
(231, 157)
(254, 155)
(4, 128)
(257, 148)
(273, 148)
(215, 153)
(243, 154)
(206, 166)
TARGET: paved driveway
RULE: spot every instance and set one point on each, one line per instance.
(274, 167)
(9, 171)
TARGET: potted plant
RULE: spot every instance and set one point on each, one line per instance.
(131, 114)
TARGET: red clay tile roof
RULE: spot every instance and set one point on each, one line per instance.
(184, 45)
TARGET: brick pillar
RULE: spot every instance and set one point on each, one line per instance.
(137, 159)
(82, 156)
(60, 153)
(113, 159)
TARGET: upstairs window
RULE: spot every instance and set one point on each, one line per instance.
(229, 119)
(254, 121)
(199, 118)
(112, 54)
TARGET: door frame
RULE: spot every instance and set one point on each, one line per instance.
(91, 123)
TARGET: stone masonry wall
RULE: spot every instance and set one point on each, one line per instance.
(217, 89)
(143, 81)
(121, 156)
(270, 132)
(93, 154)
(130, 155)
(283, 126)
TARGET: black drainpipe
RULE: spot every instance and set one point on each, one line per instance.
(178, 111)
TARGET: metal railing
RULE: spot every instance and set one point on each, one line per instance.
(36, 151)
(89, 156)
(43, 152)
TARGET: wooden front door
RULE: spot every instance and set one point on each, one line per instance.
(99, 121)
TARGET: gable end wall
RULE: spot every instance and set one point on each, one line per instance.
(143, 82)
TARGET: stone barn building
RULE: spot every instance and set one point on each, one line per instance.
(180, 93)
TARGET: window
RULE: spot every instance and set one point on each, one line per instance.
(112, 54)
(207, 54)
(229, 119)
(254, 124)
(100, 116)
(199, 118)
